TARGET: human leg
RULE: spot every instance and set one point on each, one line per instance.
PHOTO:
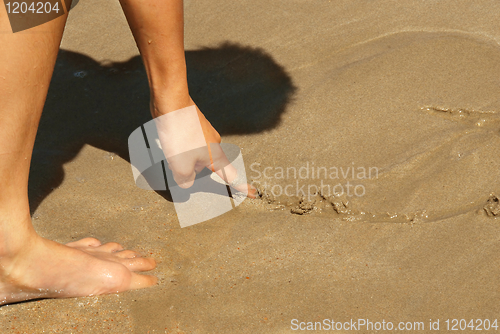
(31, 266)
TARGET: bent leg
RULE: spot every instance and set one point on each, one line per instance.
(31, 266)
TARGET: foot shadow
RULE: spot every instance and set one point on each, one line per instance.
(241, 90)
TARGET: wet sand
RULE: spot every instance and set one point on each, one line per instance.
(408, 88)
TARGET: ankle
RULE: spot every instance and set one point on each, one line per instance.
(16, 234)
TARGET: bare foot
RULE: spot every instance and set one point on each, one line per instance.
(47, 269)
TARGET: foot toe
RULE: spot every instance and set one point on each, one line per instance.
(139, 263)
(85, 242)
(110, 247)
(142, 281)
(127, 254)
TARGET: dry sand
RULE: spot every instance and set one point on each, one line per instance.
(408, 87)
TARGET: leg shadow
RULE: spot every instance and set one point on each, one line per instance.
(241, 90)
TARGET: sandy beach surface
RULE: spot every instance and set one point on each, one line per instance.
(399, 98)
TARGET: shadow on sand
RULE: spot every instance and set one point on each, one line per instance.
(241, 90)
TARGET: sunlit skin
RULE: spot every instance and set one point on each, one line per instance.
(160, 40)
(35, 267)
